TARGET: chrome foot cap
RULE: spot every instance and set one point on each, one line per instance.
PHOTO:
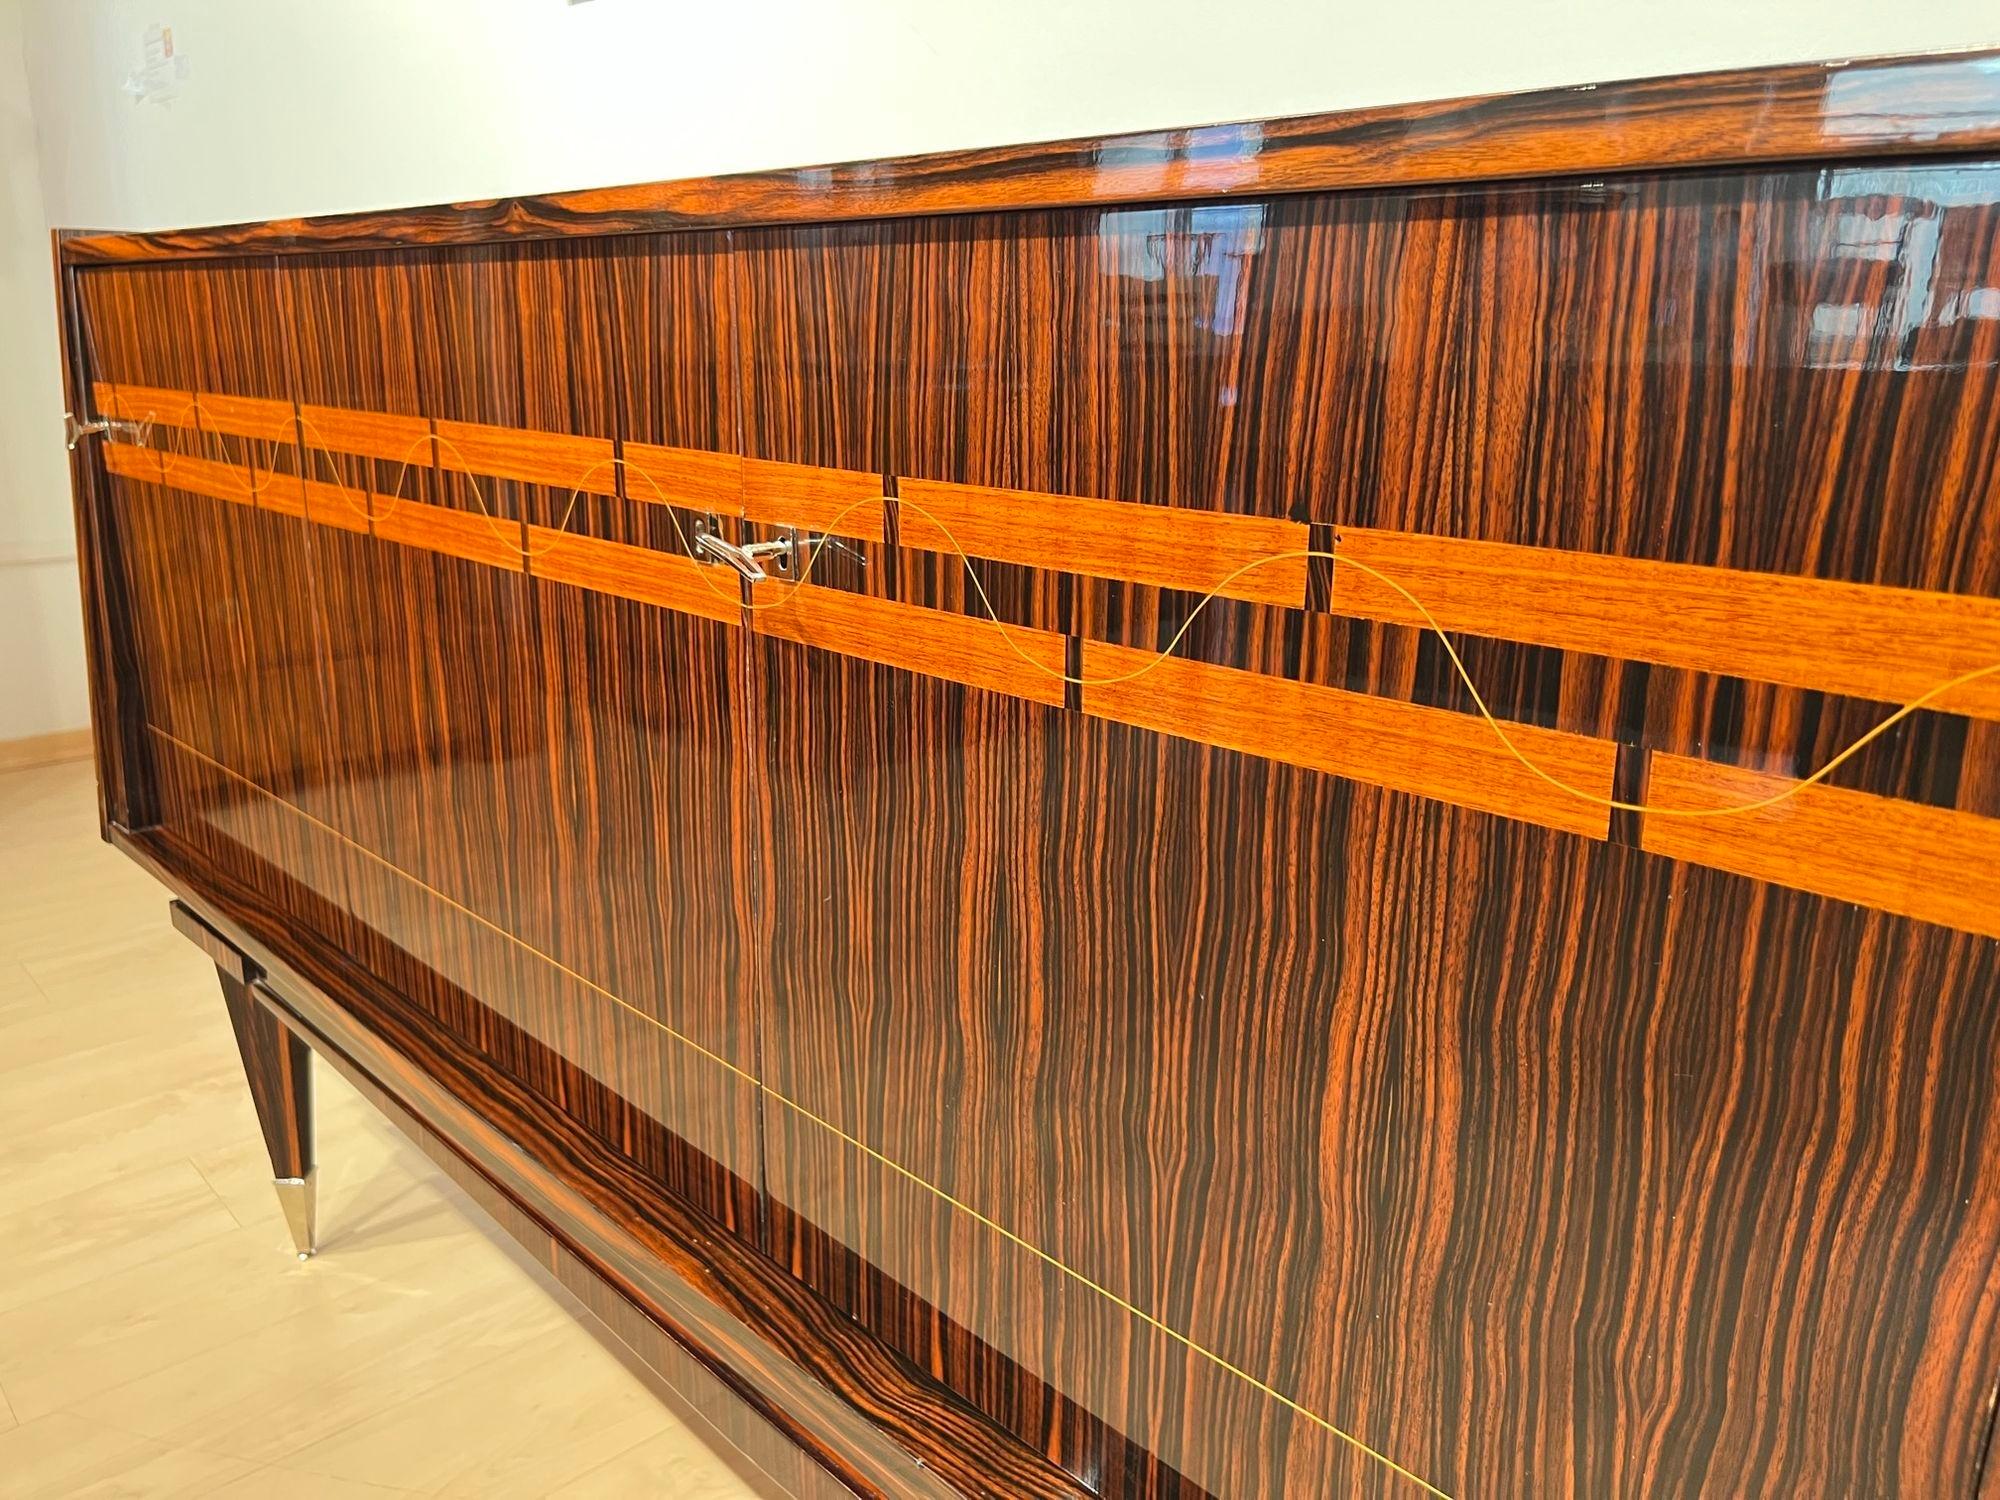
(297, 1196)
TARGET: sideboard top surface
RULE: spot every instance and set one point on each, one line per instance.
(1844, 111)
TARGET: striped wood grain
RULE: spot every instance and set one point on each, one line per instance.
(1472, 1136)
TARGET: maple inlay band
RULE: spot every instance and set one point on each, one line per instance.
(1857, 640)
(1553, 778)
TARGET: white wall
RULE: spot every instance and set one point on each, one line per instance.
(317, 106)
(41, 633)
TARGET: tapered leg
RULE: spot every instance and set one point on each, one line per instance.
(279, 1067)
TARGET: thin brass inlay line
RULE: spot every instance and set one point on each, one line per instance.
(804, 1112)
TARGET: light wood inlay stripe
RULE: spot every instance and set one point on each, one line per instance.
(1407, 747)
(1862, 640)
(204, 476)
(285, 493)
(1154, 544)
(246, 416)
(373, 434)
(693, 478)
(554, 458)
(1935, 864)
(839, 502)
(933, 642)
(144, 403)
(666, 579)
(332, 505)
(456, 533)
(130, 461)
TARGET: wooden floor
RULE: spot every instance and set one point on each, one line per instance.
(158, 1337)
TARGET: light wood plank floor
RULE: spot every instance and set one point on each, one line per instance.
(158, 1337)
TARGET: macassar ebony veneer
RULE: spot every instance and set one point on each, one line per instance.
(1298, 808)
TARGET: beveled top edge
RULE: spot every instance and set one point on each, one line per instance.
(1866, 108)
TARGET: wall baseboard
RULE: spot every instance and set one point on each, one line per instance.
(45, 749)
(34, 557)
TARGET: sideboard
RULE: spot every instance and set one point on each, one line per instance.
(1303, 807)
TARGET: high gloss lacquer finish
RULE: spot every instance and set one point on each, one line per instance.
(1833, 111)
(1007, 1060)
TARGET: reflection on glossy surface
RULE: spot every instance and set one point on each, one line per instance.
(1365, 1101)
(1177, 1108)
(1913, 100)
(1798, 112)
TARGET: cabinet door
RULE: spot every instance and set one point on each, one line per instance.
(1208, 1117)
(408, 658)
